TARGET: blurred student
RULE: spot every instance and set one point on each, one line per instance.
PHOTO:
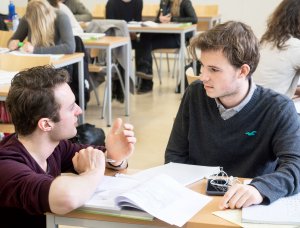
(44, 114)
(80, 12)
(76, 28)
(226, 120)
(170, 11)
(279, 66)
(46, 29)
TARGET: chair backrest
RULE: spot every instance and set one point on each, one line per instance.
(150, 11)
(20, 11)
(99, 11)
(10, 62)
(205, 11)
(190, 75)
(4, 37)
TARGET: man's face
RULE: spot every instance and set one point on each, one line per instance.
(221, 79)
(69, 111)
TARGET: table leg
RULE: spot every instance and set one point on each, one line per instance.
(81, 90)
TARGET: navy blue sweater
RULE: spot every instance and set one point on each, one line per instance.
(262, 141)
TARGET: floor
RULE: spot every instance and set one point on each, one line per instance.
(152, 115)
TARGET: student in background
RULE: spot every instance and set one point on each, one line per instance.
(80, 12)
(170, 11)
(76, 28)
(279, 66)
(44, 113)
(47, 30)
(131, 10)
(226, 120)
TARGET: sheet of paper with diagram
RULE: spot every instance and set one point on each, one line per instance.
(146, 197)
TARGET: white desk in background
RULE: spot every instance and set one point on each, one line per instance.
(65, 60)
(165, 28)
(109, 43)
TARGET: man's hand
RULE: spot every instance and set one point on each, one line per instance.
(120, 142)
(240, 195)
(89, 159)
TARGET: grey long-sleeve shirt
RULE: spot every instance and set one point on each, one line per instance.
(64, 38)
(80, 12)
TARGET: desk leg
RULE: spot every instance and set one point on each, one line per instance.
(50, 221)
(109, 82)
(181, 62)
(127, 94)
(81, 90)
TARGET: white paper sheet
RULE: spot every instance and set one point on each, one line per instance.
(182, 173)
(166, 199)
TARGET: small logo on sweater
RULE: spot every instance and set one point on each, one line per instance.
(250, 133)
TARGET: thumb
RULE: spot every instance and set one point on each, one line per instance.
(116, 126)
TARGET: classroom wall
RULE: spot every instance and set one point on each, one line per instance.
(253, 13)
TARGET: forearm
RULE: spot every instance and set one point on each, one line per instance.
(285, 181)
(84, 17)
(70, 192)
(65, 48)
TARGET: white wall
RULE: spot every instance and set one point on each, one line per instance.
(253, 13)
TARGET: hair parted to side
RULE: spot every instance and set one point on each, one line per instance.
(235, 39)
(31, 97)
(41, 16)
(283, 23)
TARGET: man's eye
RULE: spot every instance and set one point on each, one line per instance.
(214, 70)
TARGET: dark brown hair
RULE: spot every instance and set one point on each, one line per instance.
(283, 23)
(31, 97)
(235, 39)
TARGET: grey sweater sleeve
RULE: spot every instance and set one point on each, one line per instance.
(64, 38)
(22, 31)
(80, 12)
(285, 181)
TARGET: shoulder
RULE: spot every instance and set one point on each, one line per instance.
(268, 99)
(61, 17)
(196, 90)
(186, 2)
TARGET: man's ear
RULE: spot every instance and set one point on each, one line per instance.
(45, 124)
(244, 71)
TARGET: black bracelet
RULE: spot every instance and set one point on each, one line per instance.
(116, 166)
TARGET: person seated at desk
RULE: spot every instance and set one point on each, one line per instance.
(80, 12)
(279, 66)
(76, 28)
(131, 11)
(44, 114)
(181, 11)
(226, 120)
(47, 29)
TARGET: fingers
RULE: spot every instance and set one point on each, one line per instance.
(13, 44)
(240, 195)
(116, 126)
